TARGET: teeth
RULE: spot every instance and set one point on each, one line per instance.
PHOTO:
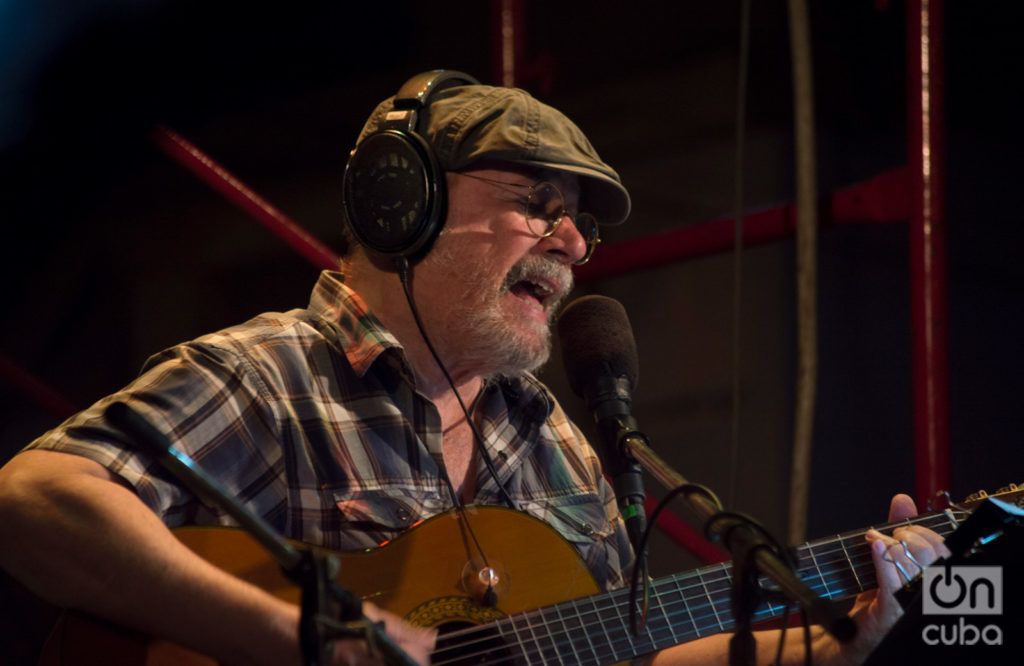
(541, 289)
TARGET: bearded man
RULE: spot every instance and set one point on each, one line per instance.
(340, 425)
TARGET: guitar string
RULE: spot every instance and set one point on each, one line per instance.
(660, 633)
(822, 553)
(547, 623)
(697, 629)
(614, 647)
(689, 611)
(699, 622)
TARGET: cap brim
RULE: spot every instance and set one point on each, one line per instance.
(600, 195)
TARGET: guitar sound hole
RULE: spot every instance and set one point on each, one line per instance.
(484, 645)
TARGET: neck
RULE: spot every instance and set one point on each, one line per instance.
(383, 293)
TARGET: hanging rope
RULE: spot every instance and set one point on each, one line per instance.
(806, 268)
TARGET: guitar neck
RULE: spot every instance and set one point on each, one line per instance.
(683, 607)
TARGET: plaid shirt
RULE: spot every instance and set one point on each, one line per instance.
(312, 420)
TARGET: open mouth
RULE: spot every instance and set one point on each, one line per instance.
(538, 280)
(528, 288)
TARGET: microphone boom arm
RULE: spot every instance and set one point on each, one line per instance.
(329, 612)
(744, 542)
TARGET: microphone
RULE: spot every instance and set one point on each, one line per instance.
(600, 358)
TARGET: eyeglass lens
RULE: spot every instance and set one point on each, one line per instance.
(545, 209)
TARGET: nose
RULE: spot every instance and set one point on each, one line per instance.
(567, 243)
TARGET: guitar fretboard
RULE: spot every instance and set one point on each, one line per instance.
(683, 607)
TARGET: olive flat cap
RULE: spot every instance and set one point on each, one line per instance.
(472, 123)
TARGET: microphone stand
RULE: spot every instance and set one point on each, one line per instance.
(754, 552)
(328, 611)
(609, 400)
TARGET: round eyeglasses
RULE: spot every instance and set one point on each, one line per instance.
(544, 209)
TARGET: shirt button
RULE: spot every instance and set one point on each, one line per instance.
(403, 515)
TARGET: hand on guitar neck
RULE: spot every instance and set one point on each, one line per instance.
(875, 611)
(907, 550)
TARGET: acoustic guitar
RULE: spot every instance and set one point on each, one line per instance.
(549, 610)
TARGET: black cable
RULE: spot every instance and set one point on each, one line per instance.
(807, 636)
(736, 520)
(782, 634)
(402, 265)
(641, 553)
(490, 597)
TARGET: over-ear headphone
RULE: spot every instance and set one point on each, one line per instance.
(394, 192)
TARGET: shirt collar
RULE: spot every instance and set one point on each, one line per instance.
(362, 337)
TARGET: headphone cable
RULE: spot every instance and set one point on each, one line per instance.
(402, 265)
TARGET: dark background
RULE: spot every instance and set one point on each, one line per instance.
(112, 252)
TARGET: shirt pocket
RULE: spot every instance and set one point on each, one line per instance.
(371, 518)
(581, 521)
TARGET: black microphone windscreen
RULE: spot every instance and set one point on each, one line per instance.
(597, 340)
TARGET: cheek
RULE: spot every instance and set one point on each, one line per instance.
(511, 241)
(485, 246)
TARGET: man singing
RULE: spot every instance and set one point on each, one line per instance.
(342, 427)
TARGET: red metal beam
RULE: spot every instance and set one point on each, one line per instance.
(220, 179)
(882, 199)
(507, 42)
(686, 535)
(927, 159)
(35, 389)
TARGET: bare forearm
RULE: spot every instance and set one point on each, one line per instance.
(81, 540)
(714, 650)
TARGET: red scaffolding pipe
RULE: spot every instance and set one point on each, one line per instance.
(35, 389)
(507, 20)
(881, 199)
(927, 159)
(240, 194)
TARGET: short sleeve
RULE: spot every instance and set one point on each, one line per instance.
(212, 406)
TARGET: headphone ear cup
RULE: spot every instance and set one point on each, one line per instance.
(394, 194)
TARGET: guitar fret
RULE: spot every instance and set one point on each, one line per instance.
(564, 648)
(621, 617)
(711, 601)
(537, 647)
(691, 632)
(665, 615)
(604, 629)
(511, 623)
(548, 644)
(849, 562)
(722, 597)
(583, 630)
(810, 551)
(570, 633)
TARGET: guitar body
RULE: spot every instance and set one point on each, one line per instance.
(432, 575)
(546, 610)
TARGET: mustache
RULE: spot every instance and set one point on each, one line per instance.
(550, 271)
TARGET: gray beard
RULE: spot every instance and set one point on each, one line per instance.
(477, 322)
